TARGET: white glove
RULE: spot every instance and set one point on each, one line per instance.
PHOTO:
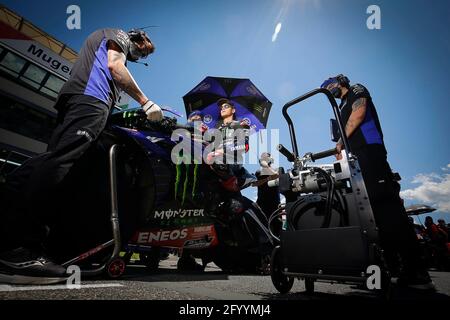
(153, 111)
(263, 163)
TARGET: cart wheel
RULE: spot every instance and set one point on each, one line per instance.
(309, 285)
(115, 268)
(281, 282)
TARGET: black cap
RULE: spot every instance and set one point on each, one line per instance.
(220, 102)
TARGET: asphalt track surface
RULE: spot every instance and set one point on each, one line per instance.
(169, 284)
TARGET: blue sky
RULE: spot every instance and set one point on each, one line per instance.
(405, 65)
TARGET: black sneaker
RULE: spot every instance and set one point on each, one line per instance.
(189, 264)
(23, 266)
(419, 281)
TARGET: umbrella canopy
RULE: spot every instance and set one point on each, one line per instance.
(250, 104)
(418, 209)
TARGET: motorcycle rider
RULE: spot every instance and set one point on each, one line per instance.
(84, 104)
(363, 130)
(235, 142)
(231, 148)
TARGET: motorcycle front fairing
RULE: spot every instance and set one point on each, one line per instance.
(179, 216)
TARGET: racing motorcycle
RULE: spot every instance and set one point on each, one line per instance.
(162, 205)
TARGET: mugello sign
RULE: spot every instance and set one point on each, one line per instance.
(33, 50)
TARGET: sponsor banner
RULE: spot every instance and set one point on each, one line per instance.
(192, 237)
(34, 51)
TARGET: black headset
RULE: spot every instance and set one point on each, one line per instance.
(343, 81)
(137, 35)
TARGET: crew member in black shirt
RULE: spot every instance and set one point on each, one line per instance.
(83, 106)
(363, 130)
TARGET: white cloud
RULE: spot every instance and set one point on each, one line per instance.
(432, 189)
(276, 32)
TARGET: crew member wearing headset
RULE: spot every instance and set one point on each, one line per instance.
(84, 104)
(363, 131)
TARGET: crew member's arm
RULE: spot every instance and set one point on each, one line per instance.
(124, 79)
(354, 121)
(120, 73)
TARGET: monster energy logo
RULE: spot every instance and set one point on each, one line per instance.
(182, 213)
(182, 178)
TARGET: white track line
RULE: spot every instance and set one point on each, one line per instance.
(9, 288)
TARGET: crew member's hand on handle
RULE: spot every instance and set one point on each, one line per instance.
(339, 147)
(153, 111)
